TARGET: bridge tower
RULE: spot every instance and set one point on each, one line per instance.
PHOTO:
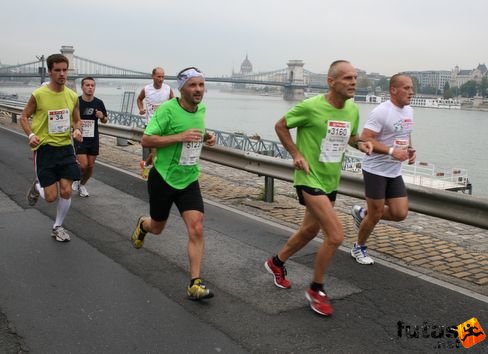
(68, 52)
(295, 88)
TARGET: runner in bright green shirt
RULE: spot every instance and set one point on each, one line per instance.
(325, 125)
(177, 131)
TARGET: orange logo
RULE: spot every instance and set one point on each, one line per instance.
(470, 333)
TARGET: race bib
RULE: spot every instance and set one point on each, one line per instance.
(88, 128)
(335, 142)
(151, 108)
(58, 121)
(190, 153)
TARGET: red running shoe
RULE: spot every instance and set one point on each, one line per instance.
(319, 302)
(279, 274)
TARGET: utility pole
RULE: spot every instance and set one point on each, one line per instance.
(42, 68)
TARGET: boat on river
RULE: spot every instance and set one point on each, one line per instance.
(418, 101)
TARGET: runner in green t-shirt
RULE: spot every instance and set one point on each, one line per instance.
(325, 125)
(177, 131)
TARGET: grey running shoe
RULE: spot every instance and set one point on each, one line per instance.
(33, 194)
(356, 215)
(83, 192)
(60, 234)
(75, 186)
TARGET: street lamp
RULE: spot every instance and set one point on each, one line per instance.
(42, 68)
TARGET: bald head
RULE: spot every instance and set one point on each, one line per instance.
(335, 68)
(397, 80)
(158, 77)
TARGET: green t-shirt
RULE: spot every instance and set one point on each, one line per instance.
(177, 163)
(322, 135)
(53, 118)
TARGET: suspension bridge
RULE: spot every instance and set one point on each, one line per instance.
(294, 79)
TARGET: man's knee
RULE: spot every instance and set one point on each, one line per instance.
(399, 215)
(335, 240)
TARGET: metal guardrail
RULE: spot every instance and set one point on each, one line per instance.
(452, 206)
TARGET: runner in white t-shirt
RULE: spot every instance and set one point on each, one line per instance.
(388, 127)
(153, 95)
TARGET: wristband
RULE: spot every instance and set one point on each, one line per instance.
(31, 135)
(390, 151)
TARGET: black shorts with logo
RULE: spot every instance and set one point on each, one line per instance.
(162, 196)
(53, 163)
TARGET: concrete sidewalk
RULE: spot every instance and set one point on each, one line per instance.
(445, 250)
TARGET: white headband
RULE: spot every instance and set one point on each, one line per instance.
(187, 75)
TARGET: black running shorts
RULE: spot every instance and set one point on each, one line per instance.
(53, 163)
(313, 191)
(379, 187)
(162, 196)
(87, 149)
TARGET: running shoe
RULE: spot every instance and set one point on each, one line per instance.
(33, 194)
(319, 302)
(356, 215)
(83, 192)
(198, 291)
(361, 254)
(75, 186)
(138, 235)
(60, 234)
(278, 273)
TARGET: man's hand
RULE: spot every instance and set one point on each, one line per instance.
(366, 147)
(191, 135)
(210, 139)
(77, 135)
(33, 141)
(300, 163)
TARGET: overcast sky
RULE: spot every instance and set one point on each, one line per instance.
(385, 36)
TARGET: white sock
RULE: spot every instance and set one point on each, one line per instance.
(61, 211)
(40, 190)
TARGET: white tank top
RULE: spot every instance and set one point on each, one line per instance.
(154, 98)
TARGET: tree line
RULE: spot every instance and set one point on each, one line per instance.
(469, 89)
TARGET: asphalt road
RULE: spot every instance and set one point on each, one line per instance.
(97, 294)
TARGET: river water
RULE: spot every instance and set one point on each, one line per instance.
(450, 139)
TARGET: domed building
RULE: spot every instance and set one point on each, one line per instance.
(246, 69)
(246, 66)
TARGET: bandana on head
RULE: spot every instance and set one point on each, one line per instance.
(187, 75)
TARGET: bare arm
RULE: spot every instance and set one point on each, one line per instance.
(157, 141)
(77, 123)
(171, 93)
(379, 148)
(285, 137)
(29, 110)
(357, 143)
(140, 102)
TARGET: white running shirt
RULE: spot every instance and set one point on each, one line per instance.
(394, 126)
(154, 98)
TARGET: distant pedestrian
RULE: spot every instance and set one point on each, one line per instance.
(92, 110)
(389, 127)
(153, 95)
(55, 120)
(325, 125)
(177, 132)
